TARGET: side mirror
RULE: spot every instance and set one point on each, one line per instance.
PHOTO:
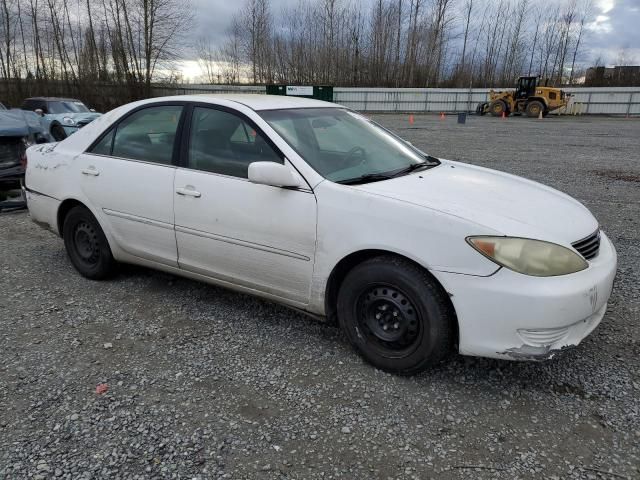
(92, 109)
(271, 173)
(39, 111)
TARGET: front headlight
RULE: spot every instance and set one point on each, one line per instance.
(530, 257)
(68, 121)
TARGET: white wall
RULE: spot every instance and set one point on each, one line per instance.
(605, 100)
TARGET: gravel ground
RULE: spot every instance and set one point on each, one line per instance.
(207, 383)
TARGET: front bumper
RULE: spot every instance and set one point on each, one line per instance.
(10, 177)
(513, 316)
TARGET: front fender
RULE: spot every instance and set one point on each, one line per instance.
(352, 220)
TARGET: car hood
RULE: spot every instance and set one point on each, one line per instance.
(504, 203)
(21, 123)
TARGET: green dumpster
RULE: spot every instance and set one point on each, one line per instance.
(319, 92)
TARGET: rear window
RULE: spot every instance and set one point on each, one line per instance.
(147, 134)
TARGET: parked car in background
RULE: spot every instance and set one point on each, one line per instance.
(62, 116)
(18, 130)
(313, 205)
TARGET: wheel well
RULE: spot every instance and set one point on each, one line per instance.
(64, 208)
(345, 265)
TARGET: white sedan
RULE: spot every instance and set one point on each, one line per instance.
(314, 206)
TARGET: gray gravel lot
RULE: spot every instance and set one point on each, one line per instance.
(207, 383)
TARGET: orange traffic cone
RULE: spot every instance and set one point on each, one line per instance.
(540, 116)
(504, 115)
(411, 119)
(441, 115)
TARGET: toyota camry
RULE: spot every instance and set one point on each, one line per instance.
(312, 205)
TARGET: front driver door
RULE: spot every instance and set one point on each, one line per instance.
(256, 236)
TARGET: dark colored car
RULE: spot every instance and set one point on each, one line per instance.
(18, 130)
(61, 116)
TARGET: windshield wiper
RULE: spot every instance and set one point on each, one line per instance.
(376, 177)
(431, 162)
(369, 177)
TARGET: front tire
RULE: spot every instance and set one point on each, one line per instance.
(396, 315)
(87, 245)
(58, 133)
(498, 108)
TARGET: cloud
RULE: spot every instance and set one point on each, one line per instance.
(615, 27)
(606, 5)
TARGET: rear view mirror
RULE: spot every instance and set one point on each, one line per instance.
(271, 173)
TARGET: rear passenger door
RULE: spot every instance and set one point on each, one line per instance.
(127, 176)
(256, 236)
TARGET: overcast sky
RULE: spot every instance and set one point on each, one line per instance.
(615, 24)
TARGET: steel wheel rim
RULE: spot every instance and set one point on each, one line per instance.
(85, 243)
(389, 320)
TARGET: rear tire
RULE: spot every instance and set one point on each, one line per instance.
(534, 108)
(87, 245)
(396, 315)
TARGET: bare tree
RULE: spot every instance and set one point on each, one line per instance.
(73, 45)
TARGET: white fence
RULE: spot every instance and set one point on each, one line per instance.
(605, 100)
(609, 101)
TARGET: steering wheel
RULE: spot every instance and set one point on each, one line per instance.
(353, 152)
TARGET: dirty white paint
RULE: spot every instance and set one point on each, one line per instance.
(283, 244)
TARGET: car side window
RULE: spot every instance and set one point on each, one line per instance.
(221, 142)
(103, 147)
(33, 105)
(148, 134)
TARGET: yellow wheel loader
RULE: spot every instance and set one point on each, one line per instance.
(529, 98)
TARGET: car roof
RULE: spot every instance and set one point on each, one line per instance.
(56, 99)
(255, 101)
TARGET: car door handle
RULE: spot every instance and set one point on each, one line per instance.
(90, 171)
(189, 192)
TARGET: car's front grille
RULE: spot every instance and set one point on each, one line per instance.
(588, 247)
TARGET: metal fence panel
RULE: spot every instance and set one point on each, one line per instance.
(605, 100)
(588, 100)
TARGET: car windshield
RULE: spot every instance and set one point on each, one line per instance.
(343, 146)
(66, 106)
